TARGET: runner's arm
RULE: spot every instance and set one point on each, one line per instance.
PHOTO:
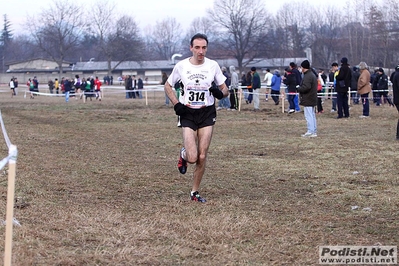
(170, 93)
(224, 89)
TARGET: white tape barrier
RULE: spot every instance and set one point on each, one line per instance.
(12, 150)
(3, 128)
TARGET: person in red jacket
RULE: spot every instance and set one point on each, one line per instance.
(98, 84)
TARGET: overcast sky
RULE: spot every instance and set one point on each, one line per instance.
(145, 12)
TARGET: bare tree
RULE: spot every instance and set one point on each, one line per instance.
(324, 35)
(205, 26)
(57, 30)
(6, 37)
(242, 24)
(165, 38)
(119, 38)
(292, 23)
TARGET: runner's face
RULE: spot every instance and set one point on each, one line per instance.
(199, 50)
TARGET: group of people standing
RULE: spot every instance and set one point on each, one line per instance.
(232, 83)
(33, 86)
(133, 87)
(88, 87)
(13, 86)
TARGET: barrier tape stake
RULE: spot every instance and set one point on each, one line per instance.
(10, 207)
(239, 99)
(282, 102)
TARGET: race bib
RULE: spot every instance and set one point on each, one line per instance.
(196, 98)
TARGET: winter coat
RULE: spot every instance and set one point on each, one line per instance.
(308, 89)
(395, 87)
(363, 84)
(290, 81)
(382, 83)
(276, 82)
(355, 78)
(255, 81)
(343, 79)
(234, 77)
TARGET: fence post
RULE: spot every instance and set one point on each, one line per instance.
(10, 205)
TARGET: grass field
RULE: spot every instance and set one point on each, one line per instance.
(99, 184)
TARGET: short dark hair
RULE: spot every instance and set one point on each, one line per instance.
(199, 36)
(293, 65)
(334, 64)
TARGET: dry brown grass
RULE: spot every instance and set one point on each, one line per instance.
(102, 186)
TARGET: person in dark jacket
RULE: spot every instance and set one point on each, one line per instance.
(67, 88)
(275, 87)
(128, 87)
(373, 81)
(255, 88)
(382, 86)
(308, 98)
(298, 77)
(395, 87)
(290, 82)
(343, 81)
(355, 77)
(331, 77)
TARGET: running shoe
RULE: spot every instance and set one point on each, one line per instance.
(182, 164)
(196, 197)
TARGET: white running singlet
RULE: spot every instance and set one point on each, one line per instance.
(196, 79)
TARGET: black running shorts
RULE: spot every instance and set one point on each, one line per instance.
(198, 118)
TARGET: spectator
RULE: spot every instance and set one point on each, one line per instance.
(163, 81)
(290, 82)
(268, 81)
(128, 87)
(255, 88)
(382, 86)
(308, 98)
(395, 87)
(298, 76)
(77, 82)
(67, 88)
(374, 87)
(15, 86)
(35, 84)
(320, 85)
(331, 77)
(343, 80)
(225, 102)
(31, 87)
(51, 86)
(140, 87)
(364, 88)
(275, 87)
(56, 85)
(97, 86)
(12, 87)
(233, 89)
(249, 87)
(63, 85)
(354, 80)
(244, 86)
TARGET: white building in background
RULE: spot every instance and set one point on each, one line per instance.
(46, 69)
